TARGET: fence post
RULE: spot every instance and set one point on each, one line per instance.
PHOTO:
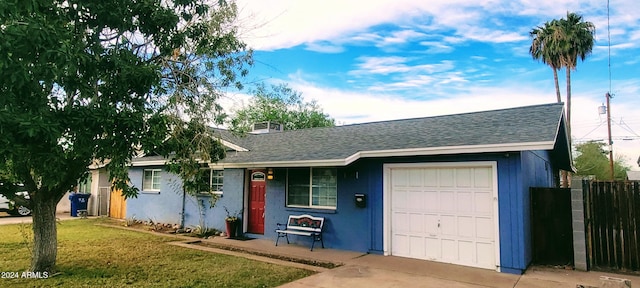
(577, 215)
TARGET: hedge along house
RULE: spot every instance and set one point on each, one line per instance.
(452, 189)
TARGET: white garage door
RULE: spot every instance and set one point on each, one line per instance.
(443, 212)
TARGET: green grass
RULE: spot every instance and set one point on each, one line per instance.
(91, 255)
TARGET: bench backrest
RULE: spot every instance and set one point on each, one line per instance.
(305, 223)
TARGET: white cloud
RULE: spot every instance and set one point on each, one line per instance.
(434, 47)
(397, 64)
(286, 23)
(324, 47)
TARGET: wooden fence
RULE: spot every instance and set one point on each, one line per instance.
(551, 226)
(612, 219)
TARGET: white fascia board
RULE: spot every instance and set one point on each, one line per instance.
(275, 164)
(447, 150)
(232, 146)
(149, 163)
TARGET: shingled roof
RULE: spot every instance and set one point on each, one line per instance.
(539, 127)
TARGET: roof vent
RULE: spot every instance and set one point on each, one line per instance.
(266, 127)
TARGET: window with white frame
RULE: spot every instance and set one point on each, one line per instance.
(211, 181)
(312, 187)
(151, 181)
(84, 185)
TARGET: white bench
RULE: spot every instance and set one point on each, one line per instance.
(303, 225)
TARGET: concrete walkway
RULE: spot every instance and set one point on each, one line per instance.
(9, 219)
(367, 270)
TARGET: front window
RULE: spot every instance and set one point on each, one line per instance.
(312, 187)
(211, 181)
(151, 180)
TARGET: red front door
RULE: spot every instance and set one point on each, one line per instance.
(257, 194)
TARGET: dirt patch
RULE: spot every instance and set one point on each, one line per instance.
(322, 264)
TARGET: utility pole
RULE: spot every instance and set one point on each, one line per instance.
(608, 96)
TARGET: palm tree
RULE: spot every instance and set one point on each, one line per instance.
(544, 48)
(559, 44)
(576, 40)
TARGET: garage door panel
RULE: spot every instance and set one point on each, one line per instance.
(432, 200)
(447, 201)
(444, 214)
(465, 201)
(449, 250)
(446, 178)
(400, 222)
(466, 227)
(418, 247)
(464, 178)
(417, 200)
(399, 199)
(483, 203)
(485, 252)
(430, 177)
(434, 252)
(400, 245)
(415, 178)
(466, 251)
(483, 178)
(417, 223)
(431, 221)
(448, 225)
(484, 228)
(400, 178)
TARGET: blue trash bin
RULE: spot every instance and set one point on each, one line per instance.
(78, 202)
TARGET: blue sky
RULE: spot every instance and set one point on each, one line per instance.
(377, 60)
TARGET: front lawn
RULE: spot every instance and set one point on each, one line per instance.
(91, 255)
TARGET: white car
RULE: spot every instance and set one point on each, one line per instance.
(12, 207)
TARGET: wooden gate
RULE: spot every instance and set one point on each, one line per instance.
(551, 226)
(117, 205)
(612, 217)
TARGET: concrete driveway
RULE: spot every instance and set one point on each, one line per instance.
(369, 270)
(389, 271)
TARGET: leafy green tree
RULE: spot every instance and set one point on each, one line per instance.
(592, 160)
(280, 104)
(85, 81)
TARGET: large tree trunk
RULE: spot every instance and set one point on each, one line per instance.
(555, 80)
(45, 234)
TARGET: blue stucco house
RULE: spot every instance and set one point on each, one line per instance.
(452, 188)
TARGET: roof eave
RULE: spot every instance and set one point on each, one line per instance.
(447, 150)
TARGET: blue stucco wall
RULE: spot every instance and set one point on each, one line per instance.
(347, 227)
(166, 206)
(536, 172)
(232, 199)
(161, 207)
